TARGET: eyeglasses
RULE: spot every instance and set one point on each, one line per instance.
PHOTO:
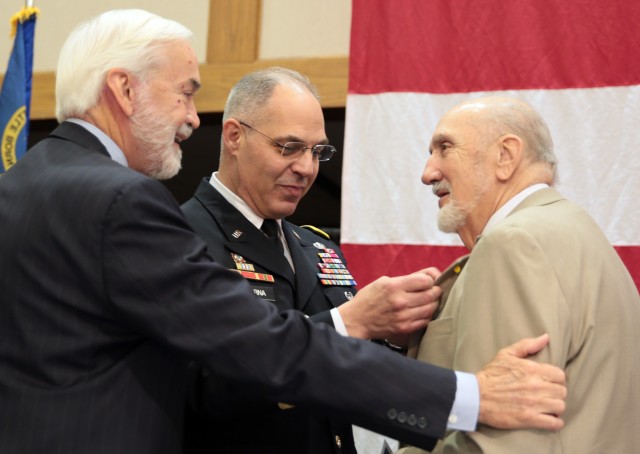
(295, 149)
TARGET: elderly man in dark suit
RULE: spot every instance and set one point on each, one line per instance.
(107, 292)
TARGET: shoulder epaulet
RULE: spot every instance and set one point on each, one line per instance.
(317, 231)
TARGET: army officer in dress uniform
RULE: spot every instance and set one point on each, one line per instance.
(272, 142)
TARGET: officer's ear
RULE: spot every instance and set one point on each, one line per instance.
(232, 135)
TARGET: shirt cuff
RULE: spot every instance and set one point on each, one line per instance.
(338, 324)
(466, 406)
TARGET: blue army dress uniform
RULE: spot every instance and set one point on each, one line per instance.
(230, 417)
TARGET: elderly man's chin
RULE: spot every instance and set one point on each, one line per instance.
(167, 164)
(450, 218)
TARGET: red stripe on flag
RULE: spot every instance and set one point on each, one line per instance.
(370, 261)
(471, 45)
(374, 260)
(630, 256)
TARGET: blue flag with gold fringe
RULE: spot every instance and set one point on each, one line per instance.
(15, 97)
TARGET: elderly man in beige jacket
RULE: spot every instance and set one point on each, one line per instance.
(538, 263)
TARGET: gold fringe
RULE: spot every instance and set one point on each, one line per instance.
(21, 16)
(316, 230)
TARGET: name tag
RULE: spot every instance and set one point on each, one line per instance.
(264, 292)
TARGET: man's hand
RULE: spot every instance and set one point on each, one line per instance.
(392, 306)
(517, 393)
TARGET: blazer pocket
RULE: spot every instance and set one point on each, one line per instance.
(437, 346)
(440, 326)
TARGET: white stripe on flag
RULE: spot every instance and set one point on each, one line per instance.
(386, 147)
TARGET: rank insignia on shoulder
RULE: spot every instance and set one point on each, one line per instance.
(317, 231)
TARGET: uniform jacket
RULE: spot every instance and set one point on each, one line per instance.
(227, 408)
(106, 291)
(548, 267)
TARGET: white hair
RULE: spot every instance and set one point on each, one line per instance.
(126, 38)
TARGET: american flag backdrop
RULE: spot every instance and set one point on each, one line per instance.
(576, 61)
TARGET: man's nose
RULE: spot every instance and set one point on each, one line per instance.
(305, 164)
(431, 173)
(192, 117)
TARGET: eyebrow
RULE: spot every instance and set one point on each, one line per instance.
(292, 138)
(195, 85)
(437, 140)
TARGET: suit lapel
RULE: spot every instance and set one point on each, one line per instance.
(306, 255)
(241, 236)
(446, 281)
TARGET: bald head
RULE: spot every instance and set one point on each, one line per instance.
(250, 94)
(493, 117)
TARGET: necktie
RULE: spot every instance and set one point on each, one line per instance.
(270, 228)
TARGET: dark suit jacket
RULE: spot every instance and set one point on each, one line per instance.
(224, 409)
(106, 290)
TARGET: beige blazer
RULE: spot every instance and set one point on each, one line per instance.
(547, 267)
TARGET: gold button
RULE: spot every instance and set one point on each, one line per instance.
(338, 442)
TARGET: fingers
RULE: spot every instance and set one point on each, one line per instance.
(517, 393)
(415, 282)
(413, 311)
(547, 373)
(548, 422)
(391, 305)
(433, 272)
(545, 421)
(531, 346)
(415, 318)
(527, 347)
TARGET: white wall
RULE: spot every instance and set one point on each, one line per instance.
(305, 28)
(289, 28)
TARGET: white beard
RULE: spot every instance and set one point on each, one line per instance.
(453, 216)
(155, 137)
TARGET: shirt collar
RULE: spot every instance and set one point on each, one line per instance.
(114, 151)
(238, 203)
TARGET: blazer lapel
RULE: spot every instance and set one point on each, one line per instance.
(241, 236)
(445, 281)
(302, 253)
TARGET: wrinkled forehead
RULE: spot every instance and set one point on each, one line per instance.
(458, 122)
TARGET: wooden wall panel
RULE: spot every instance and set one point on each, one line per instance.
(234, 31)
